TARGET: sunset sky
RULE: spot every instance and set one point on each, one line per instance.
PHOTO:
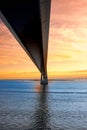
(67, 47)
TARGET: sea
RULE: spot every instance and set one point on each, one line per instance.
(27, 105)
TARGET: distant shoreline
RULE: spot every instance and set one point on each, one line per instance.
(48, 79)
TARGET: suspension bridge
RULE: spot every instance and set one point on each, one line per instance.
(29, 23)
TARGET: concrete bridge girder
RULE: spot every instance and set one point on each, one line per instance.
(29, 23)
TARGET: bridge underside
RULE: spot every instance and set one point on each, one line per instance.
(29, 23)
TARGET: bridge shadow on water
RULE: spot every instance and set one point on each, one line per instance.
(41, 115)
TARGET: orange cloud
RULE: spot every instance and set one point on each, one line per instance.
(12, 57)
(68, 36)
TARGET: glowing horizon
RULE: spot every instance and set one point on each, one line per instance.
(67, 48)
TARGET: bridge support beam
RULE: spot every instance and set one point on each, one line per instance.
(44, 79)
(29, 23)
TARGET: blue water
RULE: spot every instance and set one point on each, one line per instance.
(25, 105)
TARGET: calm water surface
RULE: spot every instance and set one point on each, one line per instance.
(62, 105)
